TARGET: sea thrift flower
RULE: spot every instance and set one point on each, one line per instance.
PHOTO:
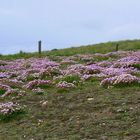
(89, 76)
(85, 57)
(14, 91)
(43, 63)
(64, 84)
(68, 61)
(4, 87)
(121, 79)
(9, 108)
(93, 69)
(105, 64)
(2, 63)
(117, 71)
(76, 69)
(36, 83)
(4, 75)
(38, 90)
(86, 76)
(49, 71)
(13, 82)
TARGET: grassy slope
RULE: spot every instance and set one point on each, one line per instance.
(89, 49)
(111, 114)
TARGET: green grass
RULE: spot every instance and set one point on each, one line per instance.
(86, 112)
(113, 113)
(88, 49)
(14, 116)
(2, 92)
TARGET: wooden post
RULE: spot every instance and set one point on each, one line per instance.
(117, 47)
(39, 46)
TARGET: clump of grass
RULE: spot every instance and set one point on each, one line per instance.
(14, 116)
(2, 91)
(72, 78)
(123, 85)
(136, 66)
(63, 90)
(31, 77)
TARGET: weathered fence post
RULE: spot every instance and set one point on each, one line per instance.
(39, 46)
(117, 47)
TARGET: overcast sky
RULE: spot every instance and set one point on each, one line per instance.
(66, 23)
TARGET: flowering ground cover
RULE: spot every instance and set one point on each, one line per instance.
(83, 96)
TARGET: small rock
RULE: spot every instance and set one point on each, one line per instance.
(131, 108)
(104, 138)
(90, 99)
(102, 124)
(44, 104)
(119, 110)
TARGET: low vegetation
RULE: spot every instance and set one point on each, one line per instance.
(77, 93)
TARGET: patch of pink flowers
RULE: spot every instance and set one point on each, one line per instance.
(38, 90)
(36, 83)
(93, 69)
(9, 108)
(121, 79)
(117, 71)
(32, 73)
(4, 87)
(4, 75)
(64, 84)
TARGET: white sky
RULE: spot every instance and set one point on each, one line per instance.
(61, 23)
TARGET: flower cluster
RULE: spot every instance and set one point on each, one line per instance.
(68, 60)
(97, 76)
(4, 87)
(36, 83)
(12, 82)
(64, 84)
(93, 69)
(4, 75)
(127, 61)
(86, 76)
(9, 92)
(2, 63)
(32, 73)
(38, 90)
(76, 69)
(85, 57)
(105, 63)
(9, 108)
(120, 80)
(42, 63)
(117, 71)
(49, 71)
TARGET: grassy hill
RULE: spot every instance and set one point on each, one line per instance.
(88, 49)
(86, 110)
